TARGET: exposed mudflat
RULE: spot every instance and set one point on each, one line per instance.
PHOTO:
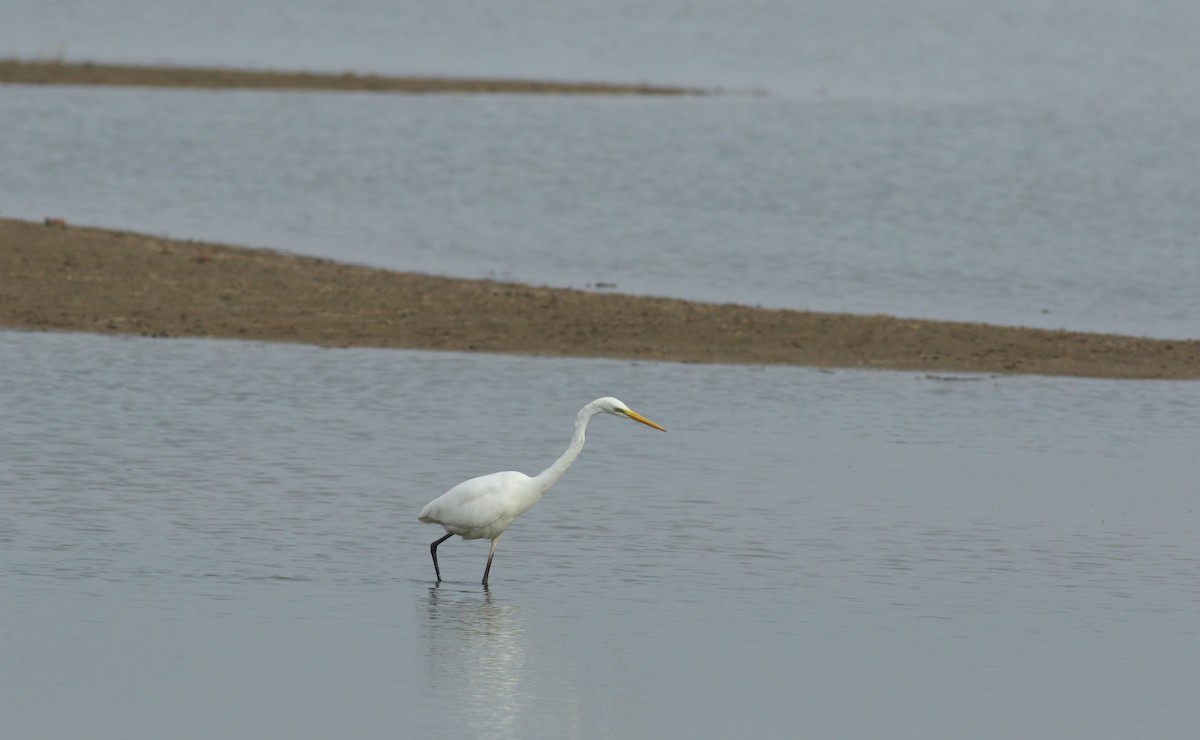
(55, 276)
(13, 71)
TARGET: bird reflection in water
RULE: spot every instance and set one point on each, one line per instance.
(476, 649)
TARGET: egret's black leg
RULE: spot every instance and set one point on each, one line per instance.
(433, 552)
(489, 565)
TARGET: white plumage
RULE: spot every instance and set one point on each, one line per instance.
(483, 507)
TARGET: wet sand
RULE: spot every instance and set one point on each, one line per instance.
(54, 72)
(59, 277)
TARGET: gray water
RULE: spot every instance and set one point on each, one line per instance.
(1025, 164)
(1083, 218)
(208, 539)
(919, 49)
(215, 539)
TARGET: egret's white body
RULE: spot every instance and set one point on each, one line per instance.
(483, 507)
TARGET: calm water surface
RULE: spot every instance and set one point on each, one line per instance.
(204, 539)
(1078, 217)
(1025, 164)
(930, 49)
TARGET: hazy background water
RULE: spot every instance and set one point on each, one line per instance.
(206, 539)
(211, 539)
(918, 49)
(1024, 164)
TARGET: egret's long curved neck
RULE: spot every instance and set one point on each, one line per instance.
(547, 477)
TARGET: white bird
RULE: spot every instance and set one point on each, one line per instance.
(484, 507)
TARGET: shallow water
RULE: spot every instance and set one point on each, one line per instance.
(1082, 218)
(1027, 164)
(213, 538)
(921, 49)
(210, 539)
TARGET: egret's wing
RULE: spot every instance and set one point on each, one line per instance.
(476, 503)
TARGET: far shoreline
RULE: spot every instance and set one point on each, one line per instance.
(61, 72)
(60, 277)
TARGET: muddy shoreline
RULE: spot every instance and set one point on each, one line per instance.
(56, 72)
(59, 277)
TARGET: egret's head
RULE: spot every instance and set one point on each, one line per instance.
(617, 408)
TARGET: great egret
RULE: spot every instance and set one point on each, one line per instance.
(484, 507)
